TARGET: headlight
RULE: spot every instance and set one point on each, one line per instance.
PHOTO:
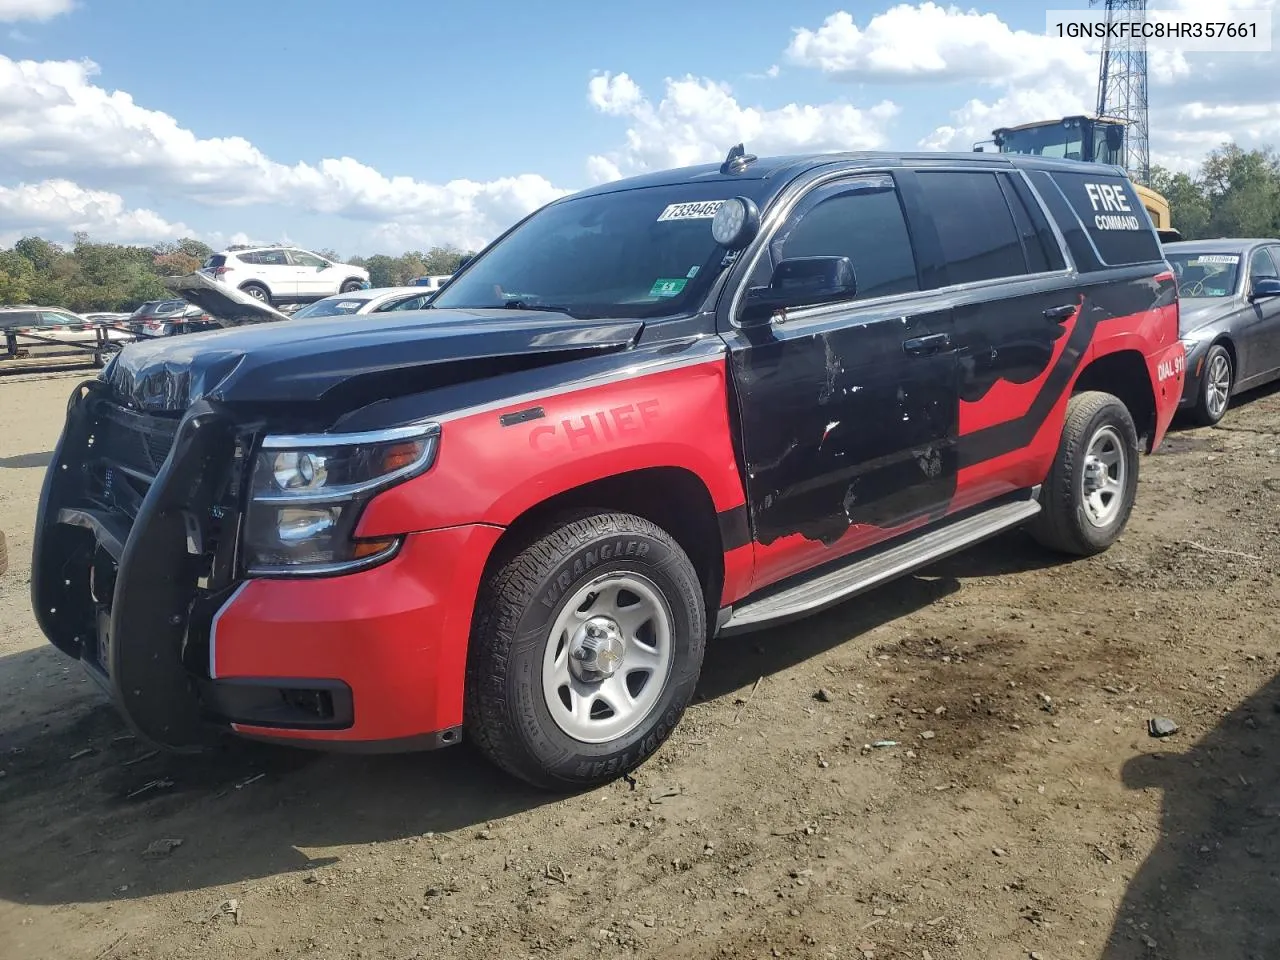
(307, 492)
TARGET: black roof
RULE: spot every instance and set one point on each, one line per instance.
(1221, 245)
(785, 168)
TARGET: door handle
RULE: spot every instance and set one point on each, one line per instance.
(925, 346)
(1060, 314)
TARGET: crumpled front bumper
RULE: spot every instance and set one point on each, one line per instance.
(148, 594)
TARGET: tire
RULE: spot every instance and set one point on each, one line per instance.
(522, 681)
(1214, 395)
(350, 286)
(1069, 521)
(258, 292)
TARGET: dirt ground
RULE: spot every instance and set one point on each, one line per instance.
(1022, 810)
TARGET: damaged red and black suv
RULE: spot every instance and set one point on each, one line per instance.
(691, 403)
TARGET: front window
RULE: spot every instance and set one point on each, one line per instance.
(331, 307)
(303, 259)
(1207, 275)
(1064, 139)
(638, 253)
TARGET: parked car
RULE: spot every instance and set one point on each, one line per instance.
(694, 403)
(51, 324)
(433, 282)
(279, 274)
(366, 301)
(1230, 324)
(166, 318)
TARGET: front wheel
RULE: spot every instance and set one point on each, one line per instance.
(1215, 386)
(351, 286)
(585, 651)
(1090, 491)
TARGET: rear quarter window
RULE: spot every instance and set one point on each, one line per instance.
(1113, 217)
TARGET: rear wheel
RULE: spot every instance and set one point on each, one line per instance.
(1090, 491)
(257, 291)
(1215, 386)
(350, 286)
(585, 651)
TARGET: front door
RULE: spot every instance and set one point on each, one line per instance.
(848, 409)
(316, 278)
(1262, 327)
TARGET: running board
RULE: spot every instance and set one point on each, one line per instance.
(859, 575)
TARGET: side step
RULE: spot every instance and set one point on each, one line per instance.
(863, 572)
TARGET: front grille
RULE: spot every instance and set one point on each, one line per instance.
(135, 442)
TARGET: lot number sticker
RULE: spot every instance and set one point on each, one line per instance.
(704, 210)
(1214, 258)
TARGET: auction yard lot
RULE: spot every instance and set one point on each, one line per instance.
(1022, 809)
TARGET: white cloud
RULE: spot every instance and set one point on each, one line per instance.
(13, 10)
(928, 41)
(698, 120)
(65, 208)
(54, 118)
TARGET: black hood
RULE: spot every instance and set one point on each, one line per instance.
(360, 358)
(1196, 312)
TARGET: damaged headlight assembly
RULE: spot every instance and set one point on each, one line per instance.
(307, 493)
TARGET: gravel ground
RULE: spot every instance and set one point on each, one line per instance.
(1022, 809)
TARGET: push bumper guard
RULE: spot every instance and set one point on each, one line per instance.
(136, 550)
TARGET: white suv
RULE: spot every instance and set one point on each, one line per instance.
(284, 274)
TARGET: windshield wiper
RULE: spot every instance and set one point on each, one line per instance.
(548, 307)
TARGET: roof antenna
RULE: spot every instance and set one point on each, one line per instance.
(737, 160)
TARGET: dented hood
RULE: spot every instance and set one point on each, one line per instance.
(361, 358)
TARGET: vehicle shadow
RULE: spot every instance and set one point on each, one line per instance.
(26, 460)
(1211, 885)
(82, 799)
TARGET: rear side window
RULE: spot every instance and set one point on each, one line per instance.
(1038, 242)
(860, 219)
(975, 226)
(1113, 216)
(217, 260)
(18, 318)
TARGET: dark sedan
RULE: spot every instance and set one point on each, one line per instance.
(1230, 326)
(166, 318)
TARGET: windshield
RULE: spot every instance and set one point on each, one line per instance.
(634, 253)
(1050, 140)
(1206, 275)
(331, 307)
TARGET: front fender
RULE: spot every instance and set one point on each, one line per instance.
(495, 465)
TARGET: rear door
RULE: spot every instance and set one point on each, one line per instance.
(1014, 308)
(848, 408)
(276, 271)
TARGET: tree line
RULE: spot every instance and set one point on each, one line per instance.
(89, 276)
(1234, 193)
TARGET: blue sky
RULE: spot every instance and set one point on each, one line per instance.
(217, 119)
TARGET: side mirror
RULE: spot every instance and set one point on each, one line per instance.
(1264, 289)
(801, 282)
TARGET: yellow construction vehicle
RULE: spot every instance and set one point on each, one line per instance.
(1088, 138)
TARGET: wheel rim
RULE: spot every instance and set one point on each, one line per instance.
(1217, 385)
(256, 293)
(607, 657)
(1102, 481)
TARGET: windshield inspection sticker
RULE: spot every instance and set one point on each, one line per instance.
(667, 288)
(703, 210)
(1214, 258)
